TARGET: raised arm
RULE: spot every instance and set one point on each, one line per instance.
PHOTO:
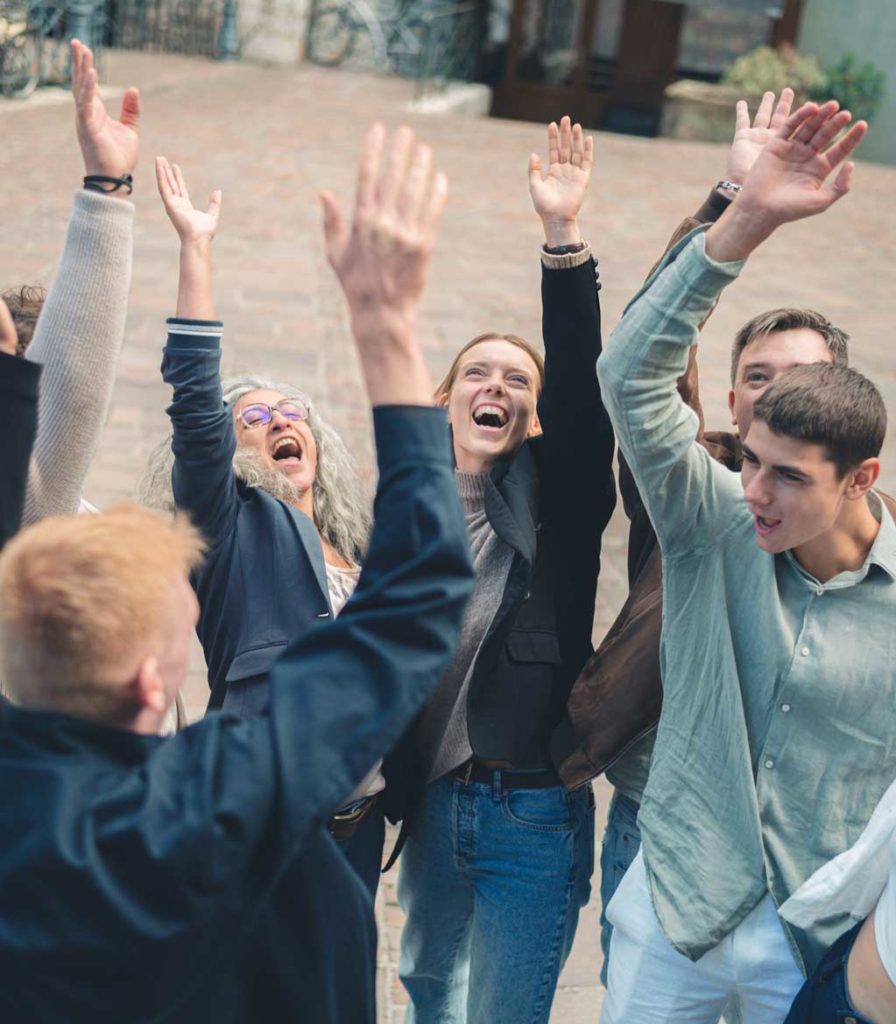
(749, 139)
(688, 496)
(79, 334)
(577, 486)
(342, 697)
(18, 423)
(203, 440)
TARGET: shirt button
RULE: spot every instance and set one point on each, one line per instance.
(805, 652)
(769, 763)
(785, 708)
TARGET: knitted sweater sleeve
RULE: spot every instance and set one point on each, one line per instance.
(78, 340)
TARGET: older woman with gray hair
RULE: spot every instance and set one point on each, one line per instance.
(275, 493)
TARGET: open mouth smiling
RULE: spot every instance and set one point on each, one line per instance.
(286, 449)
(490, 417)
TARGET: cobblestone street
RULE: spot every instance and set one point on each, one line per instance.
(270, 139)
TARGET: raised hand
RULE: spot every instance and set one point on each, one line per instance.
(749, 139)
(8, 335)
(109, 147)
(382, 259)
(790, 180)
(558, 196)
(191, 225)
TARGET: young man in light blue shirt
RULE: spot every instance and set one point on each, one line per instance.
(776, 738)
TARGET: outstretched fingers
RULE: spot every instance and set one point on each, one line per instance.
(565, 139)
(845, 145)
(782, 110)
(741, 117)
(130, 108)
(796, 120)
(553, 143)
(393, 170)
(368, 171)
(807, 130)
(764, 111)
(335, 231)
(412, 195)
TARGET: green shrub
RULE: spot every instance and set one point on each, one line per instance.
(765, 69)
(858, 87)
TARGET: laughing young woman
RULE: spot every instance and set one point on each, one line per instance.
(497, 856)
(273, 489)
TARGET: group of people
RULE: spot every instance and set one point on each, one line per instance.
(427, 658)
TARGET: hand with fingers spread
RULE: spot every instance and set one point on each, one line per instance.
(749, 139)
(382, 260)
(192, 225)
(195, 229)
(8, 336)
(791, 179)
(558, 195)
(109, 147)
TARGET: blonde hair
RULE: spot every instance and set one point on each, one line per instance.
(83, 597)
(448, 383)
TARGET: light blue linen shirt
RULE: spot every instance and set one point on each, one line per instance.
(778, 731)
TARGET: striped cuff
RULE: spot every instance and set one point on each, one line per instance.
(567, 262)
(183, 333)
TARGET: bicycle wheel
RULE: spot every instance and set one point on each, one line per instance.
(20, 65)
(331, 37)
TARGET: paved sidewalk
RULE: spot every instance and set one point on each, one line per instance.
(271, 138)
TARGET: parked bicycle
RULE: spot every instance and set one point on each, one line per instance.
(383, 35)
(25, 29)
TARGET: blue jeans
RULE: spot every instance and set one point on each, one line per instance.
(622, 840)
(824, 998)
(492, 883)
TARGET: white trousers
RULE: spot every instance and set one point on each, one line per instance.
(650, 982)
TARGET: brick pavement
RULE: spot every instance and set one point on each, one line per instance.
(271, 138)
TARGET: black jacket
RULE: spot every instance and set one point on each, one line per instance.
(550, 502)
(18, 425)
(135, 870)
(264, 582)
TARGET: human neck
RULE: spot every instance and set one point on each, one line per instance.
(842, 548)
(468, 462)
(304, 502)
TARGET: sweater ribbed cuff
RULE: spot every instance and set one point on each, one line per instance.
(567, 262)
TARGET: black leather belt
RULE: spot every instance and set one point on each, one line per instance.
(344, 824)
(475, 771)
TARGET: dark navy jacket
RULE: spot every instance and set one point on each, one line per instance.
(549, 501)
(135, 870)
(264, 583)
(18, 425)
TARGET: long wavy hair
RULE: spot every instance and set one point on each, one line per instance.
(342, 512)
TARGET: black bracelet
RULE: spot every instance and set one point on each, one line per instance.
(565, 250)
(97, 183)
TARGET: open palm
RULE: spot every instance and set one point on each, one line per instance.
(191, 225)
(558, 195)
(790, 179)
(751, 138)
(109, 147)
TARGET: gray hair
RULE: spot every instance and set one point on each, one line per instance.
(342, 512)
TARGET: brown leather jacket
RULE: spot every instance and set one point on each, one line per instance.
(616, 699)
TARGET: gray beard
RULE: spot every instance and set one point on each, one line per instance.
(252, 468)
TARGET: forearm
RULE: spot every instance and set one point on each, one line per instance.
(362, 678)
(195, 298)
(640, 366)
(78, 340)
(392, 363)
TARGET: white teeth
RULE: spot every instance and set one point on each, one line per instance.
(491, 410)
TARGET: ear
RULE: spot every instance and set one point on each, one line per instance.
(442, 400)
(534, 426)
(148, 688)
(862, 479)
(731, 406)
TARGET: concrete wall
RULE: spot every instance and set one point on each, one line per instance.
(273, 31)
(866, 28)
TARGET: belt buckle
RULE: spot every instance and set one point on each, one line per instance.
(354, 814)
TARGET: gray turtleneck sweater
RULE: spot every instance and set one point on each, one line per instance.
(491, 563)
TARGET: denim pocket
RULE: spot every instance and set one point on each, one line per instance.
(543, 810)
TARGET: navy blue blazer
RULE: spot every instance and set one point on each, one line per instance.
(135, 871)
(264, 582)
(18, 425)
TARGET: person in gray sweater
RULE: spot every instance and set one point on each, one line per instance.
(79, 332)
